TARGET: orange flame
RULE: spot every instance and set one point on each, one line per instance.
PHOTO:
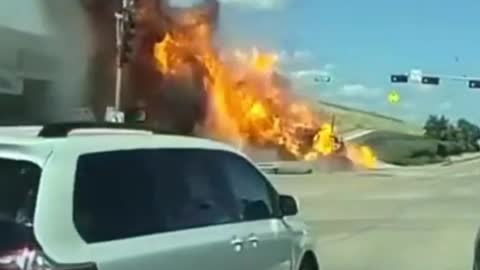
(246, 104)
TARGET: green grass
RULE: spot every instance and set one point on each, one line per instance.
(395, 141)
(348, 119)
(349, 109)
(408, 149)
(404, 149)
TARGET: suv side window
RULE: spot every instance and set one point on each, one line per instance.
(257, 198)
(123, 194)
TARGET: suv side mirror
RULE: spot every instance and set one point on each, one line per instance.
(288, 205)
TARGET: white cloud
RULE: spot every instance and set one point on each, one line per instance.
(328, 66)
(302, 55)
(425, 87)
(407, 105)
(309, 73)
(260, 4)
(295, 56)
(359, 90)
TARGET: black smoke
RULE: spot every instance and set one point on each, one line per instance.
(84, 31)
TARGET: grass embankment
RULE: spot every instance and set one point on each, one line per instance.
(348, 119)
(409, 150)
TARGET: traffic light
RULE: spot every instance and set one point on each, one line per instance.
(430, 80)
(399, 78)
(128, 35)
(474, 84)
(323, 78)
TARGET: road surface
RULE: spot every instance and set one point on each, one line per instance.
(400, 219)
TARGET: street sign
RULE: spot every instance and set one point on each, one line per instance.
(430, 80)
(393, 97)
(416, 75)
(399, 78)
(322, 78)
(474, 84)
(113, 115)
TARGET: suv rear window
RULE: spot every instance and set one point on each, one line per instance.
(18, 189)
(130, 193)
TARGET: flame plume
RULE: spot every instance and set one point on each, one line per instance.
(239, 95)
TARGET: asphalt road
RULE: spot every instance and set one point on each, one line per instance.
(397, 219)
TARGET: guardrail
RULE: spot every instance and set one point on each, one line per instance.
(288, 168)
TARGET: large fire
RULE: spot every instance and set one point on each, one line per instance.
(248, 102)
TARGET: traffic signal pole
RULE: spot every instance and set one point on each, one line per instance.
(418, 76)
(453, 77)
(124, 33)
(124, 21)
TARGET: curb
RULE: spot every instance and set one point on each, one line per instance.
(460, 161)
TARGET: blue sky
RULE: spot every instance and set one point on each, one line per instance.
(360, 43)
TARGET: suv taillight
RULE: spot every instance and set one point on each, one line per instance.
(32, 259)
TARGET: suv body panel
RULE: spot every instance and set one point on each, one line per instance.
(56, 233)
(54, 226)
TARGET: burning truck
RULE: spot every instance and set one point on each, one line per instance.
(184, 81)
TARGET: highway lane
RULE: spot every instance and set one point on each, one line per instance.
(406, 219)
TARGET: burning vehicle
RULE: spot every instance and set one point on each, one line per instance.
(189, 85)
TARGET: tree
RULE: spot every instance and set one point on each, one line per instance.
(452, 133)
(470, 133)
(443, 124)
(431, 126)
(438, 127)
(466, 134)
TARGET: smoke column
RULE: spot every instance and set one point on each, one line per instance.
(69, 39)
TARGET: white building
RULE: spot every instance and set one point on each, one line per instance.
(25, 67)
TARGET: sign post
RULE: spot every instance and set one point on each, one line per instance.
(113, 115)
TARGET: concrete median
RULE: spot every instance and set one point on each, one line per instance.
(328, 164)
(287, 167)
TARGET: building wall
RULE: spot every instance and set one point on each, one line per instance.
(26, 70)
(29, 107)
(54, 58)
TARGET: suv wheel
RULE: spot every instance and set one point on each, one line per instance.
(309, 263)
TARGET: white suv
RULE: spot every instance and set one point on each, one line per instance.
(86, 197)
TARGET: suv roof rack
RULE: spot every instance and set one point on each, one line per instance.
(59, 130)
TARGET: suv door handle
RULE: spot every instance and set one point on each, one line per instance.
(253, 239)
(237, 243)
